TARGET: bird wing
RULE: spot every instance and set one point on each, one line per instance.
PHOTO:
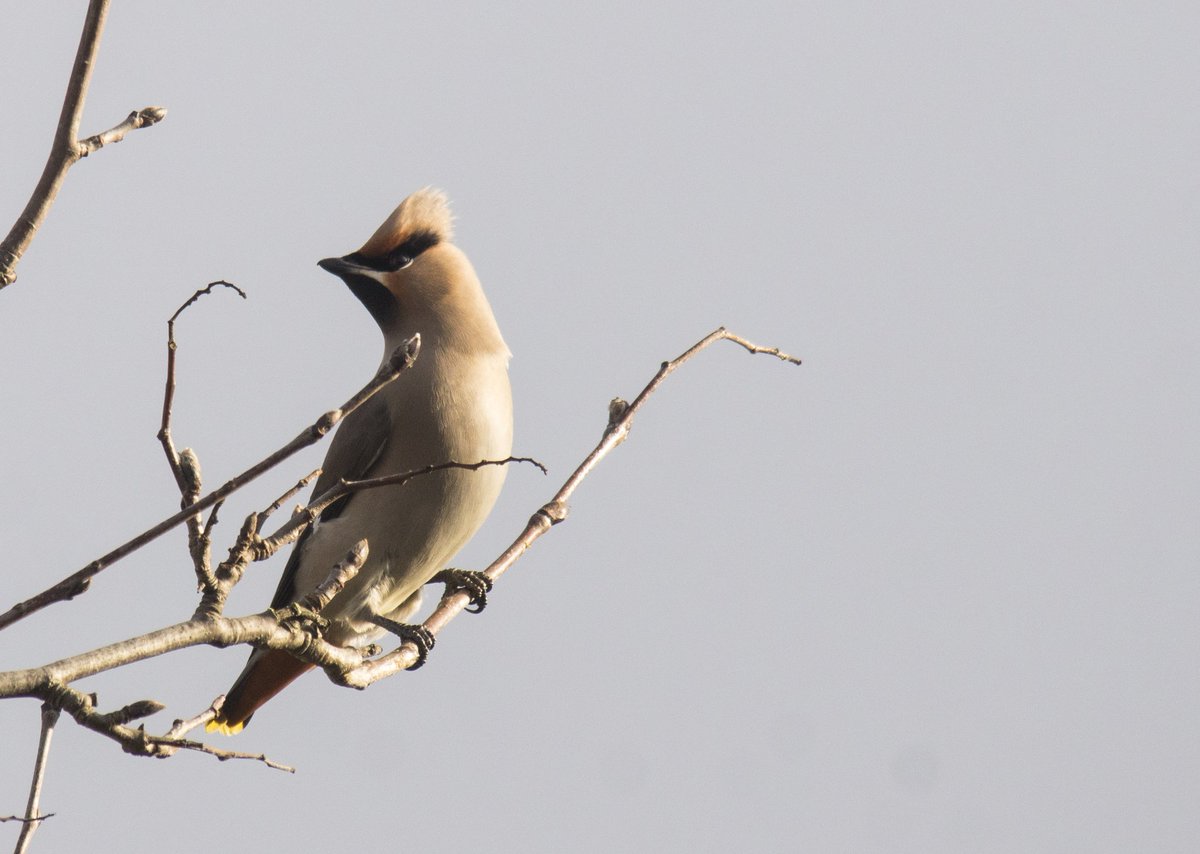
(354, 451)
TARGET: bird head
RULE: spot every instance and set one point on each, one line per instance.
(411, 278)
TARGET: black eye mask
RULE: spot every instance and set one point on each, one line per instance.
(401, 256)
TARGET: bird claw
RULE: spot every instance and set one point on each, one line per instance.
(475, 584)
(306, 617)
(417, 635)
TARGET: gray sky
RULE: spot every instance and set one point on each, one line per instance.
(934, 591)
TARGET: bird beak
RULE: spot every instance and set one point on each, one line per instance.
(342, 267)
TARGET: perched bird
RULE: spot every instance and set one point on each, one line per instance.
(453, 404)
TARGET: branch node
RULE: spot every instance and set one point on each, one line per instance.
(189, 465)
(618, 423)
(404, 355)
(327, 422)
(553, 512)
(617, 407)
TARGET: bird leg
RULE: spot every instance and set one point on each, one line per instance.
(475, 584)
(417, 635)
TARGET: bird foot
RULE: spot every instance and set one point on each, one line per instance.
(475, 584)
(307, 618)
(417, 635)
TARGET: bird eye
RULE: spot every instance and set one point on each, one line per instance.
(405, 253)
(399, 260)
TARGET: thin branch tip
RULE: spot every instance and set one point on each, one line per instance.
(207, 289)
(131, 712)
(21, 818)
(755, 349)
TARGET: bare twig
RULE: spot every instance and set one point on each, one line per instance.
(338, 578)
(297, 487)
(138, 742)
(78, 582)
(7, 818)
(620, 419)
(183, 727)
(223, 755)
(201, 551)
(67, 149)
(269, 629)
(137, 119)
(348, 486)
(185, 464)
(229, 573)
(33, 818)
(250, 545)
(164, 430)
(292, 529)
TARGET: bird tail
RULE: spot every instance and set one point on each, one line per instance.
(267, 673)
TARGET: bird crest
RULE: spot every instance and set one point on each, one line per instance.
(426, 212)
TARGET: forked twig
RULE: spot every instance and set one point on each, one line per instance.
(185, 464)
(67, 149)
(138, 742)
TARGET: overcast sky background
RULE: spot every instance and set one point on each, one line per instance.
(934, 591)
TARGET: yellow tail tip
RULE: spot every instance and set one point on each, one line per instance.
(224, 727)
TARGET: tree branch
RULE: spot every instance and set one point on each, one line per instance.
(185, 464)
(292, 529)
(294, 630)
(33, 818)
(137, 119)
(67, 150)
(250, 545)
(185, 484)
(78, 582)
(620, 419)
(271, 629)
(137, 742)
